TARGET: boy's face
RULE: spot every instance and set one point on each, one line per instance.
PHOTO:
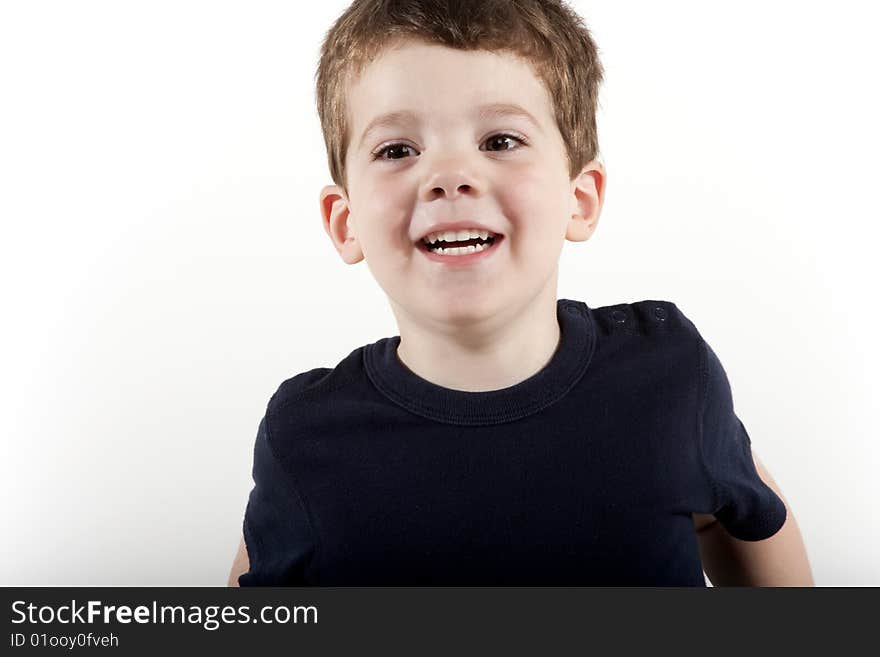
(448, 164)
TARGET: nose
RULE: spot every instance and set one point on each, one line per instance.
(450, 179)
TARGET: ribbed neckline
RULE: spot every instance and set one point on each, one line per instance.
(568, 364)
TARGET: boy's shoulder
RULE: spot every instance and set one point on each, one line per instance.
(646, 317)
(316, 383)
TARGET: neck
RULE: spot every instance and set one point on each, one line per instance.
(494, 353)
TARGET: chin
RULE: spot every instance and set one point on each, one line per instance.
(463, 309)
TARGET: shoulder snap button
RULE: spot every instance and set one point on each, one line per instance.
(618, 316)
(660, 313)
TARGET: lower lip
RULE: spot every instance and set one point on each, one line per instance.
(462, 260)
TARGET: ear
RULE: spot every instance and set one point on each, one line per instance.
(587, 196)
(336, 214)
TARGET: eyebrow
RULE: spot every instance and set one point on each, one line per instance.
(489, 111)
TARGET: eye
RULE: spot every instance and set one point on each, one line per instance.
(504, 135)
(494, 139)
(388, 149)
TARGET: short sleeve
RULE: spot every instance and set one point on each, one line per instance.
(276, 528)
(745, 506)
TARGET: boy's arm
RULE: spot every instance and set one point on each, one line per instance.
(780, 560)
(240, 565)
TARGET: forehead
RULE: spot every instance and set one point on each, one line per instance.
(442, 83)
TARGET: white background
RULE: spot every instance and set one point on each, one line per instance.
(164, 266)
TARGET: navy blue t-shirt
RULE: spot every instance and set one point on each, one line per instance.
(586, 473)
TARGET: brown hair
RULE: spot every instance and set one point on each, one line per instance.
(546, 33)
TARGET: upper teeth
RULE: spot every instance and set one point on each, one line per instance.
(457, 235)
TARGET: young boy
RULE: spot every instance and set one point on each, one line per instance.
(505, 436)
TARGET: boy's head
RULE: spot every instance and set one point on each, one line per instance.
(450, 71)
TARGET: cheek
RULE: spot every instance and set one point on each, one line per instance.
(383, 227)
(531, 186)
(390, 197)
(535, 203)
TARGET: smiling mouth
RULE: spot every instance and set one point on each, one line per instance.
(477, 243)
